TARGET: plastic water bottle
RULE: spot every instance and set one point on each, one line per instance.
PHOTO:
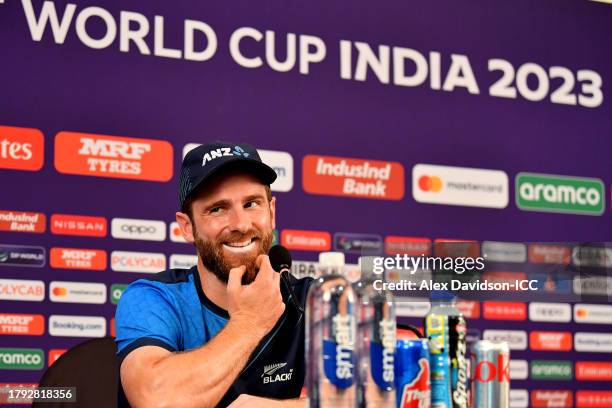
(330, 336)
(376, 337)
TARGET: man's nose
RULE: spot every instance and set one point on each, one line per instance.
(239, 221)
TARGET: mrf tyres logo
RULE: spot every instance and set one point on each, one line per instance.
(563, 194)
(113, 156)
(270, 374)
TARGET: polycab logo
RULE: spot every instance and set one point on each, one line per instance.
(78, 258)
(593, 399)
(18, 289)
(593, 371)
(549, 254)
(551, 398)
(562, 194)
(142, 262)
(281, 163)
(22, 255)
(593, 342)
(179, 261)
(303, 240)
(550, 312)
(516, 339)
(113, 156)
(54, 354)
(21, 221)
(504, 310)
(175, 233)
(416, 246)
(21, 359)
(550, 341)
(77, 326)
(148, 230)
(351, 177)
(597, 314)
(21, 148)
(463, 186)
(22, 324)
(504, 251)
(77, 292)
(80, 225)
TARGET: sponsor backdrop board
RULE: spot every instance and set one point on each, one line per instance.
(390, 128)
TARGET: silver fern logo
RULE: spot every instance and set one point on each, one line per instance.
(270, 374)
(272, 368)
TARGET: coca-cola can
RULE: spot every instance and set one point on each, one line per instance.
(490, 374)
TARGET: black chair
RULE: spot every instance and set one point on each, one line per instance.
(92, 368)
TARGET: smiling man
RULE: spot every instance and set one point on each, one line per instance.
(223, 332)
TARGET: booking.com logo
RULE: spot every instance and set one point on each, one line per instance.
(430, 183)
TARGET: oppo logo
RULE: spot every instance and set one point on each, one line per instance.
(149, 230)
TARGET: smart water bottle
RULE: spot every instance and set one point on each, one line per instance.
(330, 336)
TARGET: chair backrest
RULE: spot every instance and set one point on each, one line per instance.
(92, 368)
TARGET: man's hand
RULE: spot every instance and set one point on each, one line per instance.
(259, 305)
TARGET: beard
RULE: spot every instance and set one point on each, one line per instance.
(211, 253)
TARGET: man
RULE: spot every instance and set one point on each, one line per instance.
(222, 332)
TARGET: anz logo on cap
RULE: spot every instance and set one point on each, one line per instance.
(223, 151)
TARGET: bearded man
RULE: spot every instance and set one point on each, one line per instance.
(224, 332)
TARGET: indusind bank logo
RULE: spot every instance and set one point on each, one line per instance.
(341, 176)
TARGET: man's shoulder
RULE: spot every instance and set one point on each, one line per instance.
(159, 284)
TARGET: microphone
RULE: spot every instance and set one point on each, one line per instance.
(280, 258)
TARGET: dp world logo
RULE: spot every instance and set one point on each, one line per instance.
(574, 195)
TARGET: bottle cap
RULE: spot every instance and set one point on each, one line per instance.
(331, 259)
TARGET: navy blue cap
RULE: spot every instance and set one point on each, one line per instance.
(208, 159)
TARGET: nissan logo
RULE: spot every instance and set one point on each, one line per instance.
(138, 229)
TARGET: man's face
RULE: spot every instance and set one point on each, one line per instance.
(232, 224)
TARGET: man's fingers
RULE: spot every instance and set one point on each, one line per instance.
(234, 281)
(265, 267)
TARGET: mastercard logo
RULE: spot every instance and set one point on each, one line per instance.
(59, 291)
(176, 232)
(430, 183)
(581, 312)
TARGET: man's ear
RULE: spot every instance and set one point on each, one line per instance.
(273, 212)
(186, 227)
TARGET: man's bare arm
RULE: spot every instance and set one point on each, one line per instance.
(154, 377)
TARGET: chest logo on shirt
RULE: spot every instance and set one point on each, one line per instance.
(269, 374)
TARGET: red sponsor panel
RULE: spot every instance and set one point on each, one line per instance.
(306, 240)
(552, 398)
(4, 395)
(593, 399)
(113, 156)
(415, 246)
(22, 221)
(21, 148)
(54, 354)
(549, 254)
(81, 225)
(112, 327)
(454, 248)
(504, 310)
(550, 341)
(17, 324)
(78, 258)
(469, 308)
(352, 177)
(593, 371)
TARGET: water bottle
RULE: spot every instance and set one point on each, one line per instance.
(330, 336)
(376, 337)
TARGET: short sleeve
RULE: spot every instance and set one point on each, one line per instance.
(146, 316)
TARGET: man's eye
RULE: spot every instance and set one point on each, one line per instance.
(251, 204)
(215, 210)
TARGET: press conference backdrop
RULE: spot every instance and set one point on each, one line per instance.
(390, 125)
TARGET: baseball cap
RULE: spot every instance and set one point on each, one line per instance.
(206, 160)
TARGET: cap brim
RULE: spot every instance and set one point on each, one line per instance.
(262, 171)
